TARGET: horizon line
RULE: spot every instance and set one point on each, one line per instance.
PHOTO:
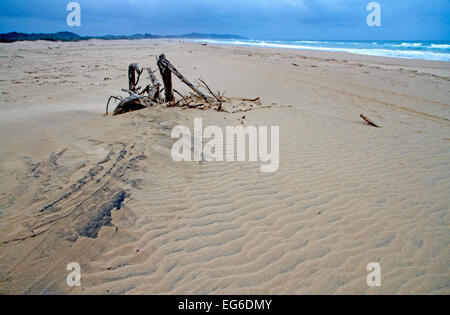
(231, 36)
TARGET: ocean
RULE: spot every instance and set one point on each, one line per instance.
(426, 50)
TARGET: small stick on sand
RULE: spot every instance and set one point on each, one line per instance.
(370, 122)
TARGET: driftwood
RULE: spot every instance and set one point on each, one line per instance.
(128, 104)
(167, 65)
(151, 95)
(154, 86)
(133, 76)
(166, 75)
(370, 122)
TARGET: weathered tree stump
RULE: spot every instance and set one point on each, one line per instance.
(154, 86)
(134, 73)
(167, 65)
(166, 75)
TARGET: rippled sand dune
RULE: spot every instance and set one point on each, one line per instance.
(104, 191)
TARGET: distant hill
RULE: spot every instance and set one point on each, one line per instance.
(72, 37)
(60, 36)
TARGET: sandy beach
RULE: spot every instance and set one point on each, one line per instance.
(346, 194)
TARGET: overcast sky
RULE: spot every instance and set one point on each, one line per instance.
(260, 19)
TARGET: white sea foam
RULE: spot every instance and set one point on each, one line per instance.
(410, 44)
(440, 46)
(310, 42)
(419, 53)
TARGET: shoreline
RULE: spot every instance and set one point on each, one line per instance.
(230, 45)
(377, 49)
(375, 52)
(419, 63)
